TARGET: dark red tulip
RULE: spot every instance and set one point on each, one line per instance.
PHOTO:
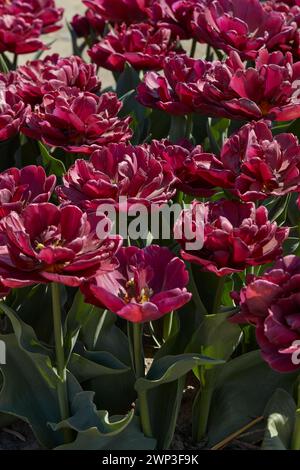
(18, 188)
(141, 45)
(87, 24)
(43, 10)
(190, 165)
(245, 27)
(46, 243)
(12, 113)
(118, 11)
(38, 77)
(115, 171)
(77, 121)
(236, 235)
(148, 284)
(271, 302)
(174, 14)
(20, 34)
(255, 165)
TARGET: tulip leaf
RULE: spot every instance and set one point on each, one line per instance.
(216, 337)
(3, 65)
(100, 333)
(170, 368)
(86, 365)
(131, 438)
(77, 317)
(84, 415)
(242, 390)
(96, 431)
(52, 165)
(30, 344)
(27, 391)
(280, 413)
(163, 388)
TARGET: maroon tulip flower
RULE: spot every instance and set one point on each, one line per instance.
(129, 11)
(236, 235)
(160, 91)
(254, 165)
(189, 164)
(148, 284)
(38, 77)
(115, 171)
(245, 27)
(77, 121)
(43, 10)
(18, 188)
(271, 90)
(46, 243)
(20, 34)
(175, 15)
(271, 302)
(88, 24)
(12, 113)
(141, 45)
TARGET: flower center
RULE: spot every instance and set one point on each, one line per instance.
(265, 107)
(132, 293)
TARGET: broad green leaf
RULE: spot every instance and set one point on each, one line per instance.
(130, 439)
(86, 365)
(280, 413)
(26, 392)
(170, 368)
(243, 388)
(84, 415)
(52, 165)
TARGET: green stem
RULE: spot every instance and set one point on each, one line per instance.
(193, 48)
(296, 435)
(62, 390)
(195, 293)
(139, 367)
(203, 407)
(168, 323)
(189, 126)
(219, 293)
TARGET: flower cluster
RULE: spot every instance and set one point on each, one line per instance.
(23, 21)
(227, 89)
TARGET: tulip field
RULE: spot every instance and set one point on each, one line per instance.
(149, 226)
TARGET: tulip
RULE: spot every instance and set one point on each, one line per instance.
(38, 77)
(46, 243)
(244, 27)
(18, 188)
(254, 165)
(120, 10)
(87, 24)
(271, 302)
(43, 10)
(12, 113)
(77, 121)
(141, 45)
(236, 235)
(116, 171)
(148, 284)
(20, 34)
